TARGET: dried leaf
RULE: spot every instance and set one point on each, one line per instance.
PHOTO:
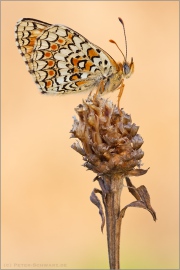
(132, 189)
(146, 199)
(143, 199)
(138, 204)
(104, 186)
(94, 199)
(137, 172)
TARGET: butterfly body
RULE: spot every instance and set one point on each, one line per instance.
(63, 61)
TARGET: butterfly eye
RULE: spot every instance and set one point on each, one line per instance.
(126, 68)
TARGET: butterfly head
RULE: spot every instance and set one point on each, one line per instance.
(128, 68)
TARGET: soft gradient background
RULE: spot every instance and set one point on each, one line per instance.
(47, 217)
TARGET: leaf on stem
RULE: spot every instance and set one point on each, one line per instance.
(143, 199)
(94, 199)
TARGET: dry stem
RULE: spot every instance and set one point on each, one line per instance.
(114, 185)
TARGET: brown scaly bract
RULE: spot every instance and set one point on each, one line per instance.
(110, 143)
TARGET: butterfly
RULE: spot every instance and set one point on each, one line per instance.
(63, 61)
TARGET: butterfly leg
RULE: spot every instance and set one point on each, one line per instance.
(121, 88)
(100, 88)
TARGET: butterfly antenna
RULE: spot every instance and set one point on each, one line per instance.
(112, 41)
(121, 21)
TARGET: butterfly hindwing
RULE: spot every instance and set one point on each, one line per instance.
(60, 59)
(26, 33)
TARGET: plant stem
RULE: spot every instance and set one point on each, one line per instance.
(114, 185)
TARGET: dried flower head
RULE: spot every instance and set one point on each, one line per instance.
(111, 148)
(110, 143)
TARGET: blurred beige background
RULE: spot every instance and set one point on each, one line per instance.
(47, 217)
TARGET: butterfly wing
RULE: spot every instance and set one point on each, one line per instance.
(26, 33)
(60, 59)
